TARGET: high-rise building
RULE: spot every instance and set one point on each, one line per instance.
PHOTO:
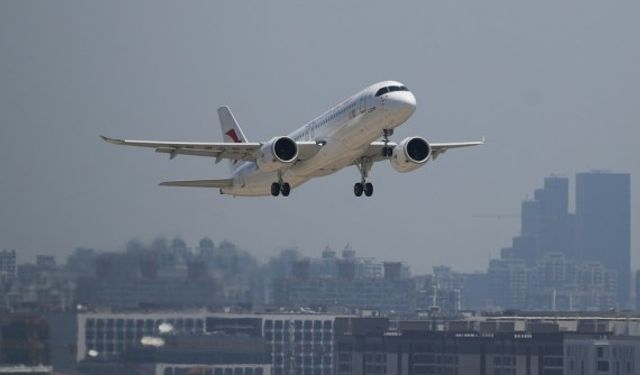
(603, 229)
(547, 226)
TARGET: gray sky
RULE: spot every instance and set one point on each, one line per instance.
(554, 87)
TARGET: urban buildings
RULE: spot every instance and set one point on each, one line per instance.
(603, 355)
(303, 342)
(552, 344)
(347, 282)
(569, 261)
(203, 342)
(167, 308)
(24, 344)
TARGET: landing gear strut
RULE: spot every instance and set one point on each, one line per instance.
(386, 150)
(280, 187)
(364, 165)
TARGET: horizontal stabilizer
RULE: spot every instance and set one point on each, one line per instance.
(200, 183)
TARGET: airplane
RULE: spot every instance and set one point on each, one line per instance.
(354, 132)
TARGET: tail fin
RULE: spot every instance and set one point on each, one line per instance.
(231, 131)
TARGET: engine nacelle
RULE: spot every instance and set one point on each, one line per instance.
(410, 154)
(276, 154)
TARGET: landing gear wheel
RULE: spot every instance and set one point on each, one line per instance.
(275, 189)
(285, 189)
(368, 189)
(358, 188)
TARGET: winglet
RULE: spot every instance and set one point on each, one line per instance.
(484, 140)
(112, 140)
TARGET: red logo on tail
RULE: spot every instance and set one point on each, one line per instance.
(232, 134)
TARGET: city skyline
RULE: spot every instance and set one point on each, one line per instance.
(562, 198)
(547, 267)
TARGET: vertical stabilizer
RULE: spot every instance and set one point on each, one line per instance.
(231, 131)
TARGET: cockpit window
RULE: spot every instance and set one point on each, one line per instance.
(382, 91)
(389, 89)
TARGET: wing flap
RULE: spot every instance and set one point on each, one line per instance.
(221, 150)
(246, 151)
(200, 183)
(307, 150)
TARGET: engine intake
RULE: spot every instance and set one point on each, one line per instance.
(276, 154)
(410, 154)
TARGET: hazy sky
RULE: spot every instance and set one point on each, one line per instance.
(553, 85)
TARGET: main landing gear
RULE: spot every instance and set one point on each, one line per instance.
(280, 187)
(366, 188)
(364, 165)
(277, 188)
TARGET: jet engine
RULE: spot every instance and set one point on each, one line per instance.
(410, 154)
(276, 154)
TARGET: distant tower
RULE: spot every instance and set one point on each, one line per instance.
(603, 225)
(348, 252)
(328, 253)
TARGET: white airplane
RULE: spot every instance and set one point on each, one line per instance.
(344, 135)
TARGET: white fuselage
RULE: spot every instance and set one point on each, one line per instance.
(346, 130)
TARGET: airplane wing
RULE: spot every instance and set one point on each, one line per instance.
(247, 151)
(200, 183)
(438, 149)
(375, 148)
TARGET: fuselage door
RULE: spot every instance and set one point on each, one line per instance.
(363, 103)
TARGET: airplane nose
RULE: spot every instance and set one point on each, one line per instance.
(403, 101)
(410, 101)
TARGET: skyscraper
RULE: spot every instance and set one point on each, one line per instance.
(603, 224)
(547, 226)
